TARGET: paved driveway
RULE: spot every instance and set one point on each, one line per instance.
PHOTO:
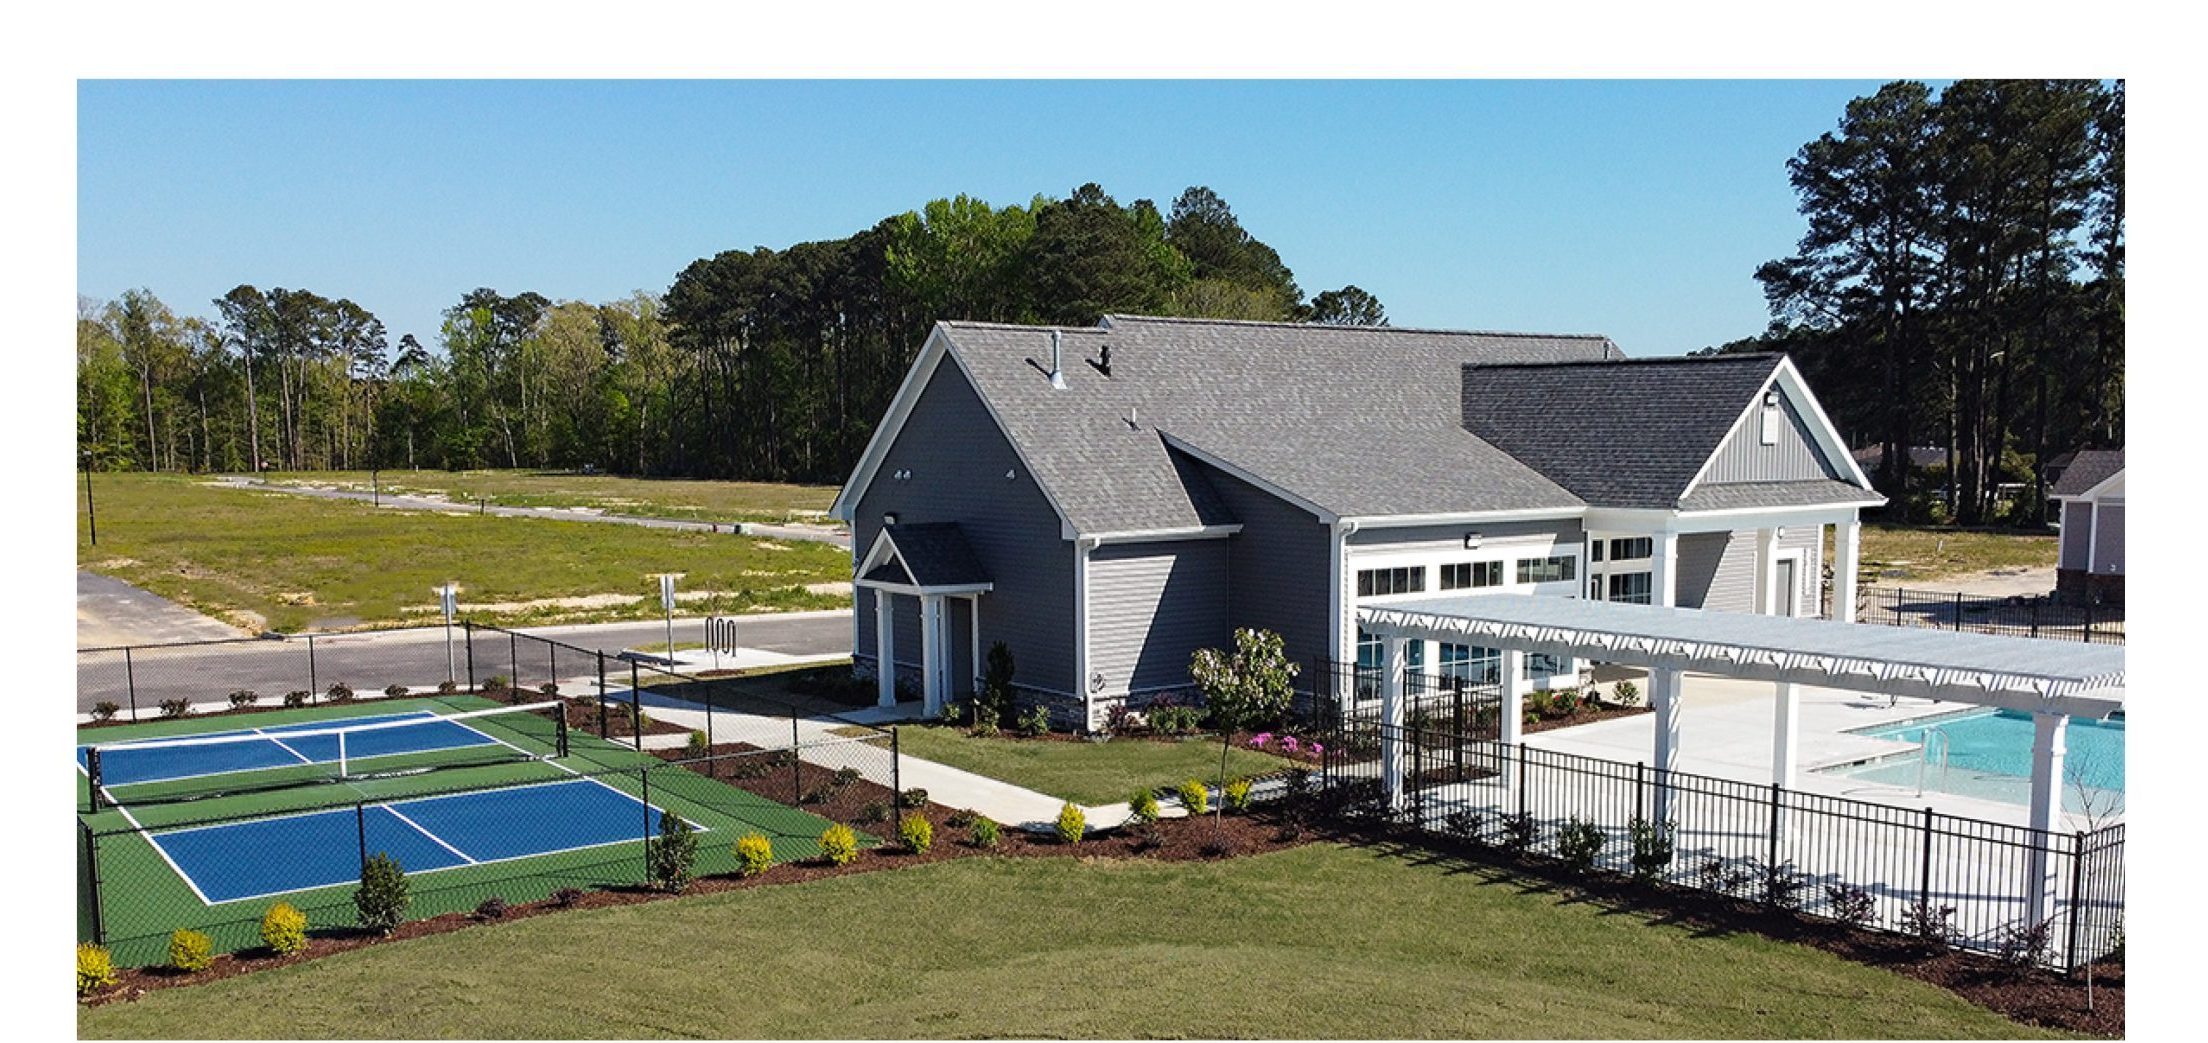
(112, 612)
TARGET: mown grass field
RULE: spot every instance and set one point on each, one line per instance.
(1321, 941)
(1083, 772)
(1893, 554)
(644, 497)
(266, 560)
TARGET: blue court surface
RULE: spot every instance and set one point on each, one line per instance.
(279, 746)
(272, 856)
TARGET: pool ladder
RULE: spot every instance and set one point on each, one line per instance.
(1934, 738)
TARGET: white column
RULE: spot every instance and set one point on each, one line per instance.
(1785, 730)
(1513, 683)
(1391, 720)
(885, 649)
(2050, 738)
(931, 653)
(1663, 567)
(1847, 542)
(1663, 697)
(973, 632)
(1767, 557)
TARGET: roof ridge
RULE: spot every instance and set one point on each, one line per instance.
(1027, 327)
(1644, 360)
(1190, 320)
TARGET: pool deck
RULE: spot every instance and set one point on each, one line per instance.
(1725, 730)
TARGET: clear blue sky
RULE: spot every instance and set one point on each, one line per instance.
(1636, 209)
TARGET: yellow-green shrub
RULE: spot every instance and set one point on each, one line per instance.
(1144, 807)
(917, 833)
(1072, 822)
(190, 951)
(95, 968)
(754, 853)
(839, 845)
(1195, 796)
(1237, 795)
(284, 929)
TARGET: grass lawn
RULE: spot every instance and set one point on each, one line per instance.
(1083, 772)
(1322, 941)
(647, 497)
(267, 560)
(1893, 554)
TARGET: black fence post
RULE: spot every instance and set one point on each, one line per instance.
(796, 781)
(636, 708)
(130, 682)
(603, 694)
(1777, 795)
(1456, 710)
(513, 657)
(314, 683)
(1958, 611)
(1521, 780)
(2089, 617)
(644, 777)
(1640, 790)
(92, 776)
(896, 767)
(2035, 615)
(1924, 885)
(93, 883)
(1418, 771)
(360, 825)
(2077, 893)
(559, 718)
(468, 626)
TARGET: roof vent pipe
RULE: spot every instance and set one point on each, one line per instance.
(1057, 361)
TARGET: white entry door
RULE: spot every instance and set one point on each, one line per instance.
(1787, 596)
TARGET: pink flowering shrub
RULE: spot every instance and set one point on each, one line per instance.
(1261, 739)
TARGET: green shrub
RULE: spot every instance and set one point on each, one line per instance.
(1578, 842)
(1564, 702)
(1626, 693)
(986, 832)
(295, 700)
(1236, 795)
(381, 898)
(105, 710)
(243, 698)
(696, 746)
(394, 690)
(917, 833)
(494, 683)
(986, 720)
(670, 857)
(190, 951)
(1071, 823)
(915, 798)
(1035, 723)
(549, 689)
(1195, 796)
(340, 693)
(284, 929)
(1537, 703)
(839, 845)
(754, 854)
(95, 968)
(875, 811)
(173, 708)
(1652, 844)
(492, 908)
(1144, 807)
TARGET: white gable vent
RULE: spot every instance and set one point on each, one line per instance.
(1771, 418)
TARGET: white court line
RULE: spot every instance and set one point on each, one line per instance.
(434, 838)
(488, 740)
(303, 758)
(164, 853)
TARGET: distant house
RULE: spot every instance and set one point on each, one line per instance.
(2090, 494)
(1107, 500)
(1872, 458)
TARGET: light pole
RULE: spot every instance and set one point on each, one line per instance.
(91, 514)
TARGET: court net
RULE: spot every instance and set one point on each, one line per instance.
(154, 771)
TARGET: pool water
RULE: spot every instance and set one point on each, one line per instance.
(1989, 756)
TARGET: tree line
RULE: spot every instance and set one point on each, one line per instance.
(1960, 285)
(764, 364)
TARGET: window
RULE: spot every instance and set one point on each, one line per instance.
(1368, 650)
(1595, 548)
(1474, 664)
(1634, 587)
(1378, 582)
(1541, 665)
(1469, 574)
(1631, 549)
(1547, 570)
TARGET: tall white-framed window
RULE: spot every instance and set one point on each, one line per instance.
(1399, 579)
(1632, 587)
(1474, 664)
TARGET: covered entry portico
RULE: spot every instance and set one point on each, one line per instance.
(933, 564)
(2052, 680)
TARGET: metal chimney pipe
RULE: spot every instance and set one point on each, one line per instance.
(1057, 361)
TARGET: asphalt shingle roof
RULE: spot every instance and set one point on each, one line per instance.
(2088, 468)
(1619, 433)
(1741, 495)
(1355, 420)
(936, 554)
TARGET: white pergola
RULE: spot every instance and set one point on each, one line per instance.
(2051, 680)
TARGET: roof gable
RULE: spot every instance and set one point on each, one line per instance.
(2088, 468)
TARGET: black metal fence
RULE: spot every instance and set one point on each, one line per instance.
(1967, 881)
(141, 682)
(1350, 694)
(2012, 615)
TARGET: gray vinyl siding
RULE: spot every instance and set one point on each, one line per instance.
(958, 458)
(1717, 571)
(1277, 568)
(1151, 606)
(2077, 529)
(1744, 458)
(1441, 539)
(2108, 540)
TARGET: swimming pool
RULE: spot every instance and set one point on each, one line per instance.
(1988, 754)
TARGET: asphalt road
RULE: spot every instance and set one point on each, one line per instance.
(814, 533)
(112, 612)
(370, 661)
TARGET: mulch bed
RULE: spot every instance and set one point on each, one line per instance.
(2034, 997)
(1587, 714)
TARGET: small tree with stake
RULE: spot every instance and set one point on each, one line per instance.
(1253, 684)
